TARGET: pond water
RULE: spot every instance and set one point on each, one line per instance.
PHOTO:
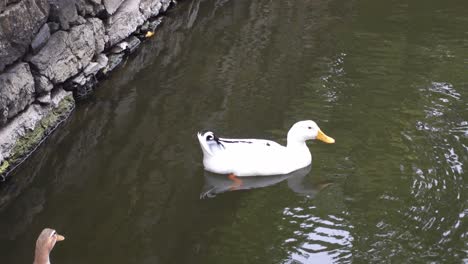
(123, 178)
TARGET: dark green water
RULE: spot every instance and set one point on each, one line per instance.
(123, 180)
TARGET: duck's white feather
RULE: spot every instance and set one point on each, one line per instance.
(256, 157)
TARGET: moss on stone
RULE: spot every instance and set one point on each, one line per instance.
(31, 139)
(4, 167)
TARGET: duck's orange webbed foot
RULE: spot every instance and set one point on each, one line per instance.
(237, 182)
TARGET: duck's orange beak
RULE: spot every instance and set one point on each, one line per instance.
(321, 136)
(59, 237)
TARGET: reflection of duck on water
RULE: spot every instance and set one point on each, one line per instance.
(216, 183)
(44, 245)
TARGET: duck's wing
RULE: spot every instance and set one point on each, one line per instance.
(249, 150)
(252, 157)
(222, 151)
(249, 144)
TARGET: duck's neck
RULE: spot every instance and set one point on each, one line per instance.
(299, 153)
(294, 143)
(41, 256)
(299, 149)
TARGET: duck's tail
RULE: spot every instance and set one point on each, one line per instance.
(209, 143)
(204, 139)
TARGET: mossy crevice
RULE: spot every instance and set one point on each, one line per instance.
(32, 139)
(4, 166)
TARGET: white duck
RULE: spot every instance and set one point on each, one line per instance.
(259, 157)
(44, 245)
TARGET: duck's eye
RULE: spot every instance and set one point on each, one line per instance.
(209, 137)
(309, 127)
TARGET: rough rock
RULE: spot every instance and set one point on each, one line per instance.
(114, 61)
(128, 45)
(17, 128)
(133, 43)
(84, 90)
(29, 127)
(82, 44)
(56, 60)
(83, 84)
(67, 53)
(92, 69)
(43, 85)
(79, 21)
(150, 8)
(165, 4)
(62, 42)
(45, 99)
(119, 48)
(53, 27)
(102, 60)
(41, 38)
(90, 8)
(16, 91)
(151, 25)
(63, 12)
(18, 24)
(124, 22)
(79, 80)
(112, 5)
(99, 34)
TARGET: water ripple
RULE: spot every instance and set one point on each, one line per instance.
(438, 173)
(327, 239)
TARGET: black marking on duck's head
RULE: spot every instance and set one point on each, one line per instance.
(268, 144)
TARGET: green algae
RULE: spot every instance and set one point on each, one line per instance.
(4, 167)
(27, 143)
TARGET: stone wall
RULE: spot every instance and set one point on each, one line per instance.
(54, 51)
